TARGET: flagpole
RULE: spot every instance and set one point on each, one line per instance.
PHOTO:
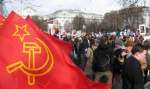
(21, 7)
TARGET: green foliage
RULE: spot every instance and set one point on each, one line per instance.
(112, 22)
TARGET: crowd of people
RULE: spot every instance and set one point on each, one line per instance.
(121, 61)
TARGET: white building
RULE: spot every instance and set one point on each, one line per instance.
(62, 17)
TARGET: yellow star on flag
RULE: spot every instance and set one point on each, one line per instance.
(21, 32)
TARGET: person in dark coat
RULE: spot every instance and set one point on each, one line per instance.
(132, 71)
(101, 62)
(82, 52)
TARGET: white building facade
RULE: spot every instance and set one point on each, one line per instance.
(61, 18)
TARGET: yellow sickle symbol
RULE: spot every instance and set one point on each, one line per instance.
(32, 48)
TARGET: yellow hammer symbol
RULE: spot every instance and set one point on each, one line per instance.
(31, 48)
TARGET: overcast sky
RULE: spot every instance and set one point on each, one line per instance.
(50, 6)
(93, 6)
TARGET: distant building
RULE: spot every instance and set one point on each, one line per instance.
(62, 17)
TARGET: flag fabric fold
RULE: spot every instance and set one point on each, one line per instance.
(65, 46)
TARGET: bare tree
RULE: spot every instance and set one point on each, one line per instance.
(112, 21)
(40, 22)
(78, 22)
(68, 26)
(131, 13)
(128, 3)
(132, 17)
(93, 26)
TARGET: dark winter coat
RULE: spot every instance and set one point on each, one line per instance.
(132, 74)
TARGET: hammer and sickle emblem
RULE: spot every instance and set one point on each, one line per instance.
(32, 48)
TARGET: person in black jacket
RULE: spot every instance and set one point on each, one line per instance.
(82, 52)
(101, 62)
(132, 71)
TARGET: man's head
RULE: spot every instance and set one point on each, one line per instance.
(139, 52)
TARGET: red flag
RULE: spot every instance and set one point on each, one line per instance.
(2, 19)
(65, 46)
(31, 60)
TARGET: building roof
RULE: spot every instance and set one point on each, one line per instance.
(72, 13)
